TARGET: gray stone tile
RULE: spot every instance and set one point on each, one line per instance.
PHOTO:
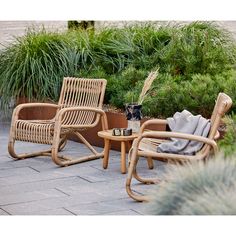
(16, 171)
(124, 212)
(41, 185)
(114, 164)
(109, 189)
(157, 171)
(25, 147)
(50, 166)
(143, 209)
(45, 163)
(96, 175)
(32, 208)
(56, 173)
(19, 179)
(128, 203)
(2, 212)
(37, 186)
(9, 199)
(58, 211)
(107, 207)
(42, 162)
(112, 169)
(94, 209)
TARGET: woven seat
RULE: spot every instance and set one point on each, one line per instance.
(79, 108)
(145, 145)
(150, 144)
(35, 132)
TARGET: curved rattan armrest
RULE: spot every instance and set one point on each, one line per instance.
(63, 111)
(152, 122)
(28, 105)
(164, 134)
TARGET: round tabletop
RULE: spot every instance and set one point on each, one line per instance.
(107, 134)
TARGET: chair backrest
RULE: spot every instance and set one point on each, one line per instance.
(222, 105)
(82, 92)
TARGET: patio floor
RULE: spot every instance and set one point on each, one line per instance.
(37, 186)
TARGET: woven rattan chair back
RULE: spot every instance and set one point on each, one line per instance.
(222, 105)
(81, 93)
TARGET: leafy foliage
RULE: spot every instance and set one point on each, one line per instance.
(173, 93)
(196, 61)
(228, 143)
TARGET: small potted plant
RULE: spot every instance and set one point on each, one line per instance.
(133, 110)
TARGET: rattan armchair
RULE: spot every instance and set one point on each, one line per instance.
(79, 108)
(146, 145)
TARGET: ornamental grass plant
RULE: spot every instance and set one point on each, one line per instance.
(197, 189)
(191, 58)
(29, 67)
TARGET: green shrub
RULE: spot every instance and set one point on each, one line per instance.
(197, 189)
(198, 48)
(228, 143)
(194, 60)
(118, 85)
(198, 94)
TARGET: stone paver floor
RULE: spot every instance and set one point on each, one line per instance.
(37, 186)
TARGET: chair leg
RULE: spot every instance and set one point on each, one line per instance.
(63, 161)
(133, 173)
(150, 163)
(132, 167)
(11, 150)
(89, 146)
(145, 180)
(62, 143)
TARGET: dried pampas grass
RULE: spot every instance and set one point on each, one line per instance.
(147, 85)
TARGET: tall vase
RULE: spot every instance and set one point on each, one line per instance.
(133, 115)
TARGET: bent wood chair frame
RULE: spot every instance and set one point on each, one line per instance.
(152, 140)
(79, 108)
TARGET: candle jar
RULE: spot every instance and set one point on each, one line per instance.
(116, 132)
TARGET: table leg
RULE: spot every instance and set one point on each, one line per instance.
(123, 158)
(106, 153)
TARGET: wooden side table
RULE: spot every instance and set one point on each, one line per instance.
(107, 135)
